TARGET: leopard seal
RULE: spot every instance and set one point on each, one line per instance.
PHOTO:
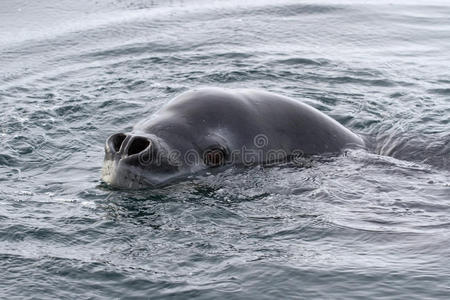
(217, 127)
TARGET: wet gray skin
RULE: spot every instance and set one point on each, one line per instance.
(212, 127)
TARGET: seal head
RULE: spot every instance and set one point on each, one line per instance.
(213, 127)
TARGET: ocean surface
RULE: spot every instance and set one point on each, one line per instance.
(363, 225)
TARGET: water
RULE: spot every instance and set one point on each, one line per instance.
(366, 224)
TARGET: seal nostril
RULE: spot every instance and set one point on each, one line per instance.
(116, 140)
(138, 144)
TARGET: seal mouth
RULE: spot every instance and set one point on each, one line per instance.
(119, 175)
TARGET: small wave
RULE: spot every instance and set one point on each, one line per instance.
(419, 148)
(302, 61)
(8, 160)
(296, 9)
(445, 91)
(361, 81)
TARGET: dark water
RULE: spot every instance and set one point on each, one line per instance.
(364, 225)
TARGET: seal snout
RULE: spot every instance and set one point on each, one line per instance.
(136, 160)
(127, 145)
(114, 142)
(137, 145)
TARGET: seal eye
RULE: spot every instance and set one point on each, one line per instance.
(214, 157)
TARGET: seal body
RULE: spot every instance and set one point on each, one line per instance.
(214, 127)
